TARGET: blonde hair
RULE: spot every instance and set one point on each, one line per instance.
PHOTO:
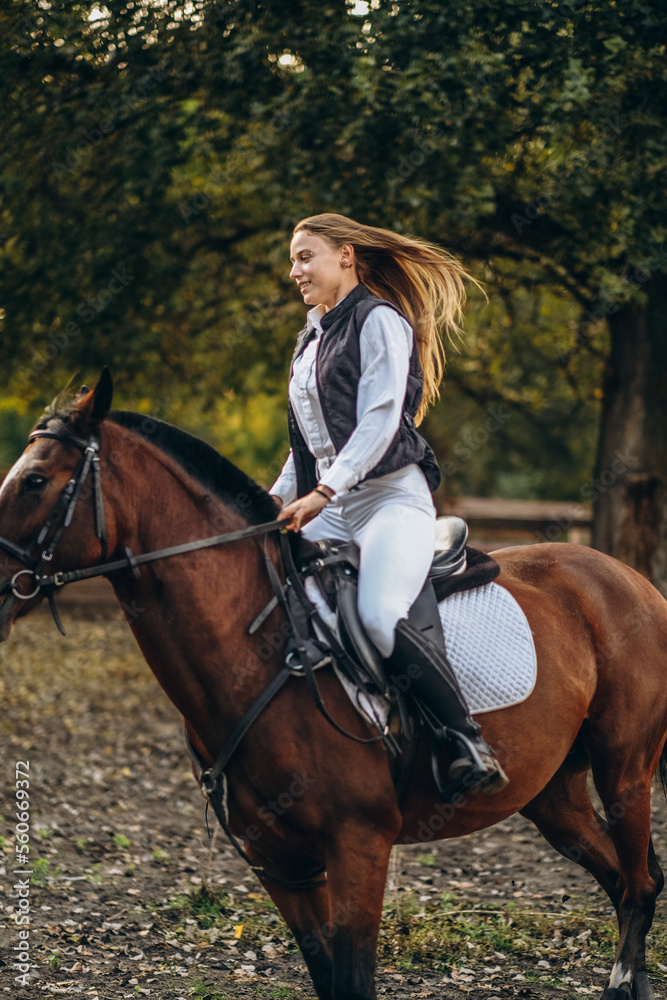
(426, 283)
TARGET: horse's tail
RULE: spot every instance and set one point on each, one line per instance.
(662, 768)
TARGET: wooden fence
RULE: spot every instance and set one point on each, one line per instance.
(493, 524)
(497, 523)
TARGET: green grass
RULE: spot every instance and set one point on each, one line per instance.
(427, 860)
(443, 935)
(199, 990)
(42, 872)
(440, 935)
(213, 908)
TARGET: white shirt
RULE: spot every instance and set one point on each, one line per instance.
(385, 346)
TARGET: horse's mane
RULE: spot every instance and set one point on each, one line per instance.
(234, 487)
(215, 472)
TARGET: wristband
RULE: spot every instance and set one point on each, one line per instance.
(318, 489)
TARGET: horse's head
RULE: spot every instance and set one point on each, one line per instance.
(36, 501)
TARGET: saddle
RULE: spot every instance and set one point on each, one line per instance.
(335, 569)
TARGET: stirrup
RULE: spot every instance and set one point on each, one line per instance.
(478, 767)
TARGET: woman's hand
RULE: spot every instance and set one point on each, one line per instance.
(303, 510)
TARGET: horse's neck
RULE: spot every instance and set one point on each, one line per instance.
(156, 502)
(190, 613)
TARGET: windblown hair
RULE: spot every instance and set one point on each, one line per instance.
(426, 283)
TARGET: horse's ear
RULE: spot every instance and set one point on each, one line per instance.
(93, 405)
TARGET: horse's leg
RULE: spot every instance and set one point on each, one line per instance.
(564, 815)
(307, 913)
(623, 781)
(357, 870)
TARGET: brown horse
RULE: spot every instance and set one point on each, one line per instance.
(300, 794)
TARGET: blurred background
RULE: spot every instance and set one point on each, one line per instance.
(156, 156)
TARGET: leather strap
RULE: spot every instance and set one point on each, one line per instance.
(60, 579)
(214, 782)
(294, 581)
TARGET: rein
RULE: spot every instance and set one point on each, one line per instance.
(65, 508)
(212, 779)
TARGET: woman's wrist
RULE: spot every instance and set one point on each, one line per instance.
(325, 491)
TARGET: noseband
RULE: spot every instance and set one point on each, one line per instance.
(61, 515)
(60, 518)
(213, 779)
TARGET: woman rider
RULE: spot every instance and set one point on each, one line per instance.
(366, 367)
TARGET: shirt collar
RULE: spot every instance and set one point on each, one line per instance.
(314, 316)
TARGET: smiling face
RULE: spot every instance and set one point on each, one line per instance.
(316, 268)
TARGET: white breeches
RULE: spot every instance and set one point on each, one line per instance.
(392, 519)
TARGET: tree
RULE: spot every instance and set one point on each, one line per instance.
(526, 137)
(530, 133)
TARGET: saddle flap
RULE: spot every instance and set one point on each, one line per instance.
(353, 634)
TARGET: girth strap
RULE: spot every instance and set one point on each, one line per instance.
(214, 782)
(212, 774)
(295, 583)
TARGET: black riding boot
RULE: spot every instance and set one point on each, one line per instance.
(417, 665)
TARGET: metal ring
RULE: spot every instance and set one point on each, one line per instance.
(16, 593)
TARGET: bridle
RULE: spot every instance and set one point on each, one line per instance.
(60, 517)
(213, 779)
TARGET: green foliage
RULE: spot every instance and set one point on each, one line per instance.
(156, 157)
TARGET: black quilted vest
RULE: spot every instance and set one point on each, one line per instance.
(338, 371)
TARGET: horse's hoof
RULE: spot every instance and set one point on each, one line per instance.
(641, 988)
(623, 992)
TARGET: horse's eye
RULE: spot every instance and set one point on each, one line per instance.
(32, 482)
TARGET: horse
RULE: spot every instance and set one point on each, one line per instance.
(599, 703)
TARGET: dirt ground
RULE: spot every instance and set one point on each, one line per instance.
(119, 854)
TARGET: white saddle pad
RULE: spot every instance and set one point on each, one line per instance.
(489, 645)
